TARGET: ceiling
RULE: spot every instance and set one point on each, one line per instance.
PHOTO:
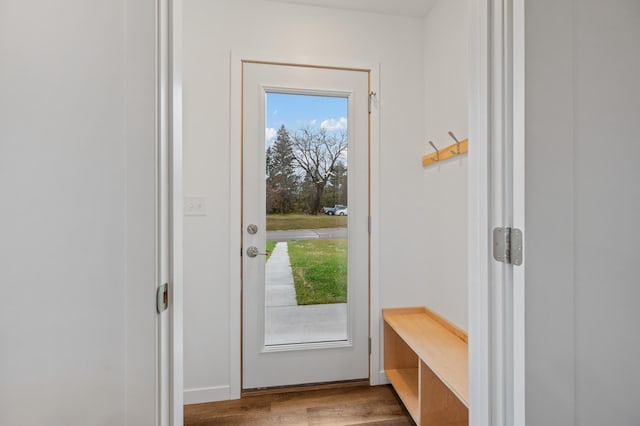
(413, 8)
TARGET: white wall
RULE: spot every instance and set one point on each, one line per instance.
(141, 226)
(445, 184)
(607, 202)
(65, 91)
(549, 297)
(582, 109)
(212, 30)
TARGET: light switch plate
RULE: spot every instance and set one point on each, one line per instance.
(195, 206)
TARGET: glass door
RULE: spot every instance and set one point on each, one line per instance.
(305, 239)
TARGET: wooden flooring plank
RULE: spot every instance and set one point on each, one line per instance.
(358, 406)
(349, 413)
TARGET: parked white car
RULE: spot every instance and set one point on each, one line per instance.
(333, 210)
(341, 212)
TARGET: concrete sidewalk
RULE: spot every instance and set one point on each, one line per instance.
(279, 290)
(288, 323)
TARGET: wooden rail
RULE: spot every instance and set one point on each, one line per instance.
(445, 153)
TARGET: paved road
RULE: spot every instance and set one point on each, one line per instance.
(308, 234)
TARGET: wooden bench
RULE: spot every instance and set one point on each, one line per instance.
(426, 361)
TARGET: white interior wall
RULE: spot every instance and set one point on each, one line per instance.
(63, 174)
(607, 204)
(69, 104)
(444, 261)
(582, 199)
(141, 226)
(549, 209)
(212, 31)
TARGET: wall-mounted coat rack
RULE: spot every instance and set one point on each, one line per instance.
(458, 148)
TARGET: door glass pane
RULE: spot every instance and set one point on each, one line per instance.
(307, 217)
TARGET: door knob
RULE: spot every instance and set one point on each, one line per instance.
(253, 252)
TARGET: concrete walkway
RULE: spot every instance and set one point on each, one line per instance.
(280, 290)
(288, 323)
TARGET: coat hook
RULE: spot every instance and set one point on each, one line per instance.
(436, 149)
(457, 151)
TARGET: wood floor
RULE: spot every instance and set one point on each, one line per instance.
(360, 405)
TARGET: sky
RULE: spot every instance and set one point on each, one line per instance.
(299, 111)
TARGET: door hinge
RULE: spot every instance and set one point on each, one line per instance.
(372, 94)
(507, 245)
(369, 345)
(369, 225)
(162, 298)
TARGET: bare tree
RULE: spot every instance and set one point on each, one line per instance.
(317, 152)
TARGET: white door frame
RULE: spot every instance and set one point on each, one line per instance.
(176, 218)
(496, 198)
(491, 31)
(169, 382)
(235, 205)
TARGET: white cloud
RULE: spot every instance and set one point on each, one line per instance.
(333, 124)
(275, 112)
(313, 122)
(270, 135)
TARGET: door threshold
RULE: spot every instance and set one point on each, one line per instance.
(304, 387)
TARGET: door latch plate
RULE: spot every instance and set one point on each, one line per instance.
(162, 298)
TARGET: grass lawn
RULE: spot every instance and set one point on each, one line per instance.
(270, 246)
(319, 271)
(277, 222)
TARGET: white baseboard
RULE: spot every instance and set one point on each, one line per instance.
(212, 394)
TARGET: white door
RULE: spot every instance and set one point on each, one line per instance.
(305, 309)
